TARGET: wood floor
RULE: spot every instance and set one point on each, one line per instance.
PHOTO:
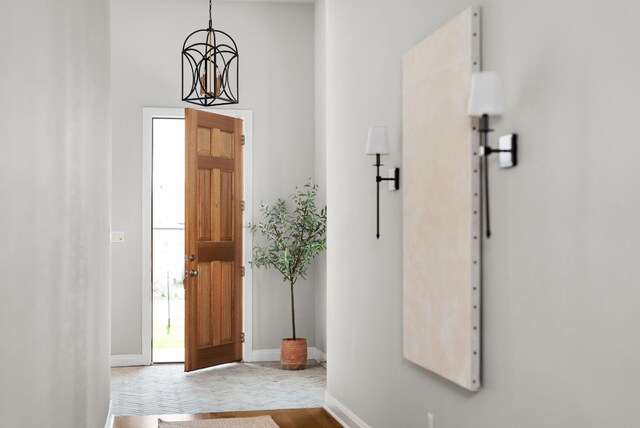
(288, 418)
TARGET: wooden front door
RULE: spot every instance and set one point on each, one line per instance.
(213, 239)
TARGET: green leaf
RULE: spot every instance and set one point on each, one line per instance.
(290, 234)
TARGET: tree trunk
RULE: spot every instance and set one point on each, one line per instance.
(293, 314)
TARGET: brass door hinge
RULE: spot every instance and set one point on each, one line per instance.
(242, 270)
(242, 205)
(243, 140)
(242, 337)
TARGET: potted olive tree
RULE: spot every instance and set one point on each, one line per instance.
(291, 236)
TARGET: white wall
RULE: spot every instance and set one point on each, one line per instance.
(275, 43)
(560, 304)
(320, 263)
(55, 191)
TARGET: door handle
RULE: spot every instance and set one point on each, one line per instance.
(193, 272)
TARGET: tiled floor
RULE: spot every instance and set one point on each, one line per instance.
(166, 388)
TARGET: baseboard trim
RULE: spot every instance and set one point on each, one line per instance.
(125, 360)
(255, 356)
(262, 355)
(109, 422)
(342, 413)
(316, 354)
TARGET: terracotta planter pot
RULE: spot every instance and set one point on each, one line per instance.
(293, 353)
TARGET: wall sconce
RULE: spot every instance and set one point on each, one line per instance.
(485, 99)
(378, 144)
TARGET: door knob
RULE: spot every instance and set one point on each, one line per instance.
(193, 272)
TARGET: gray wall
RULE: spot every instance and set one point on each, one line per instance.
(276, 45)
(561, 270)
(55, 190)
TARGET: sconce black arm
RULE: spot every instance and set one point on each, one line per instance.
(379, 179)
(485, 151)
(484, 130)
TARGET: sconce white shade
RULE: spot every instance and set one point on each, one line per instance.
(485, 94)
(378, 141)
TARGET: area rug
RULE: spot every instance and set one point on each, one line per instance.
(255, 422)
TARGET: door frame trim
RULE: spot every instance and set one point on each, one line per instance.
(148, 114)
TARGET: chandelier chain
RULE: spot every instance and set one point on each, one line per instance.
(210, 20)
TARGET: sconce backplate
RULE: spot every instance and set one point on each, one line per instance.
(394, 179)
(508, 146)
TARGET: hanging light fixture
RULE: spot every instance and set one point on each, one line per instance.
(210, 67)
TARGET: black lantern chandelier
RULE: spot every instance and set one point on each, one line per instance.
(209, 67)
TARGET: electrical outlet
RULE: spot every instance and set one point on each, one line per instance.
(430, 423)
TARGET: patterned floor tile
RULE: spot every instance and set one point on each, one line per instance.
(166, 388)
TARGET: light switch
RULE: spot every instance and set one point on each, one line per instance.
(117, 236)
